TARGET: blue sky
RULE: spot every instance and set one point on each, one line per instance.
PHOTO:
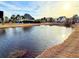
(40, 9)
(20, 7)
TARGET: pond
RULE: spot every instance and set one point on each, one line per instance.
(36, 38)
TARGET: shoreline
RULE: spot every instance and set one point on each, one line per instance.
(13, 25)
(68, 49)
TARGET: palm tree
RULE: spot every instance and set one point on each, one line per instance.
(13, 18)
(18, 17)
(22, 17)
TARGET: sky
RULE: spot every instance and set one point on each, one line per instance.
(39, 9)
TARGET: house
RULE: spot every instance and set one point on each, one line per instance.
(61, 19)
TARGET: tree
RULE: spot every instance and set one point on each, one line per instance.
(43, 19)
(13, 18)
(22, 17)
(75, 18)
(18, 17)
(1, 17)
(51, 19)
(67, 23)
(6, 19)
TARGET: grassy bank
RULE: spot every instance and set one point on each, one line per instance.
(15, 25)
(10, 25)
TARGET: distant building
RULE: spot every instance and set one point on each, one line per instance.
(61, 19)
(1, 16)
(28, 17)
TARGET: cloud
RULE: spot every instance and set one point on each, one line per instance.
(10, 9)
(39, 9)
(56, 9)
(14, 7)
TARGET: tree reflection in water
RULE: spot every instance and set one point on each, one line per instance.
(2, 32)
(27, 28)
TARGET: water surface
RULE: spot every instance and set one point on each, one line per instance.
(36, 38)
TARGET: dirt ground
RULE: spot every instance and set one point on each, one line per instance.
(68, 49)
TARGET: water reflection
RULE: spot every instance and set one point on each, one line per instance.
(2, 32)
(36, 38)
(27, 29)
